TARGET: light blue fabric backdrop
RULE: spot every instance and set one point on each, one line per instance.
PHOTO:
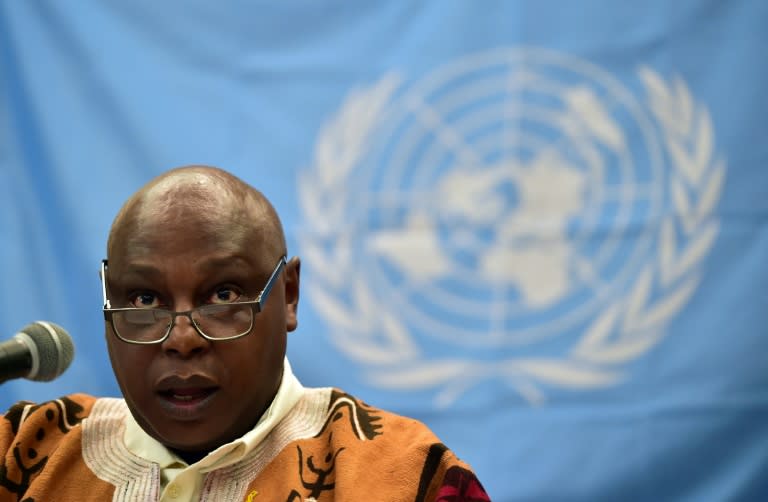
(540, 227)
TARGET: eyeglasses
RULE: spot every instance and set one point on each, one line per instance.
(215, 322)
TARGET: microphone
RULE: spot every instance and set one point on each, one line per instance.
(41, 352)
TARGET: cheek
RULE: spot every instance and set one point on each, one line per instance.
(257, 356)
(129, 373)
(258, 359)
(269, 330)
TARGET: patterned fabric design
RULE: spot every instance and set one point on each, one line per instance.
(109, 459)
(361, 416)
(304, 421)
(136, 479)
(457, 485)
(317, 473)
(461, 485)
(30, 453)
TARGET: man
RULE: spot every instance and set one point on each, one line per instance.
(198, 300)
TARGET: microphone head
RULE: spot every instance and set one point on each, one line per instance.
(51, 348)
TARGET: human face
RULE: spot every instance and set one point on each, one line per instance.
(189, 393)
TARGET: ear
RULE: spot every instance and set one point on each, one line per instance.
(292, 274)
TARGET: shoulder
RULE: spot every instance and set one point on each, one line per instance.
(42, 442)
(333, 409)
(50, 422)
(63, 413)
(30, 432)
(370, 421)
(386, 442)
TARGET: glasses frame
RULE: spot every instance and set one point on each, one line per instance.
(256, 306)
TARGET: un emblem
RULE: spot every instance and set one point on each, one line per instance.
(517, 214)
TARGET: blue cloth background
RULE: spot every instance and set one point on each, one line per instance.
(98, 97)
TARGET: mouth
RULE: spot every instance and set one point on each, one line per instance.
(186, 398)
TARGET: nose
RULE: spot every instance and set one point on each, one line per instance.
(184, 341)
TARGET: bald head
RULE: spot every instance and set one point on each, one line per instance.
(204, 201)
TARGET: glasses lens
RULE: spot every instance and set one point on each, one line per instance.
(224, 321)
(141, 325)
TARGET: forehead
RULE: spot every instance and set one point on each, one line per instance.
(185, 238)
(194, 212)
(197, 231)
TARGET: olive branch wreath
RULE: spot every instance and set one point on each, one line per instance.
(623, 331)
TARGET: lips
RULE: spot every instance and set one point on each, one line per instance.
(186, 397)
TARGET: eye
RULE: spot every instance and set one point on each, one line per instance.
(145, 301)
(225, 294)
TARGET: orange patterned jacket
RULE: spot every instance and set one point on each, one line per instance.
(330, 446)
